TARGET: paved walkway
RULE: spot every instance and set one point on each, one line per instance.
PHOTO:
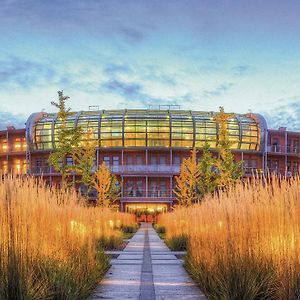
(147, 270)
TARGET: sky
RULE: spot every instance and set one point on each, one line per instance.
(199, 54)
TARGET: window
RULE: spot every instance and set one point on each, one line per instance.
(139, 188)
(274, 165)
(139, 160)
(152, 190)
(163, 188)
(162, 160)
(254, 163)
(129, 160)
(129, 188)
(246, 163)
(295, 167)
(106, 160)
(4, 168)
(153, 160)
(3, 146)
(111, 130)
(275, 145)
(69, 161)
(115, 160)
(295, 146)
(177, 160)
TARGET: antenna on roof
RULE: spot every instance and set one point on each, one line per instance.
(165, 107)
(93, 107)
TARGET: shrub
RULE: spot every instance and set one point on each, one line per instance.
(160, 229)
(129, 228)
(235, 279)
(111, 242)
(177, 242)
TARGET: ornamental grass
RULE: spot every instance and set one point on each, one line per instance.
(49, 241)
(243, 243)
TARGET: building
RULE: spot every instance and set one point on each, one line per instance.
(144, 148)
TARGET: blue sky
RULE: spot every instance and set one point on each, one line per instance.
(200, 54)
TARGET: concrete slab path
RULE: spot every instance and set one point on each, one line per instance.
(147, 270)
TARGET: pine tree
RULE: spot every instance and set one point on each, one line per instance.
(229, 171)
(186, 182)
(106, 185)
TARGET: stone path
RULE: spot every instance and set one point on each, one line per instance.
(147, 270)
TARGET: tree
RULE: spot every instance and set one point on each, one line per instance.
(84, 160)
(229, 171)
(186, 182)
(68, 138)
(106, 185)
(208, 179)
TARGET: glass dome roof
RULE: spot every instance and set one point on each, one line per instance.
(149, 128)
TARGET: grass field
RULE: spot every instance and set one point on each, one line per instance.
(51, 243)
(245, 243)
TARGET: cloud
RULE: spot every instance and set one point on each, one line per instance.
(134, 94)
(16, 72)
(132, 35)
(241, 70)
(218, 91)
(128, 90)
(115, 69)
(286, 114)
(7, 119)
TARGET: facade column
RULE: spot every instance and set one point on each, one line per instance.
(285, 153)
(146, 186)
(146, 156)
(171, 186)
(122, 186)
(242, 158)
(97, 158)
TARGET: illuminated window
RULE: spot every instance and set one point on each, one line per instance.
(148, 128)
(3, 167)
(182, 129)
(111, 130)
(3, 146)
(19, 166)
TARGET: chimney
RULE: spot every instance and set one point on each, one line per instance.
(282, 128)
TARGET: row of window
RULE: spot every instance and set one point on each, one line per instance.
(18, 166)
(151, 129)
(17, 144)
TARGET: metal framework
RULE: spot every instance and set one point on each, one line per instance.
(149, 128)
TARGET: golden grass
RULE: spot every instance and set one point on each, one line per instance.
(244, 243)
(49, 241)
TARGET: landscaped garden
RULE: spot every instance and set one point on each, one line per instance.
(51, 244)
(242, 243)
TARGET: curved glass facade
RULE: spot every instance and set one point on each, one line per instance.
(149, 128)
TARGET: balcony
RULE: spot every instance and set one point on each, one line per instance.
(172, 169)
(283, 149)
(135, 193)
(276, 149)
